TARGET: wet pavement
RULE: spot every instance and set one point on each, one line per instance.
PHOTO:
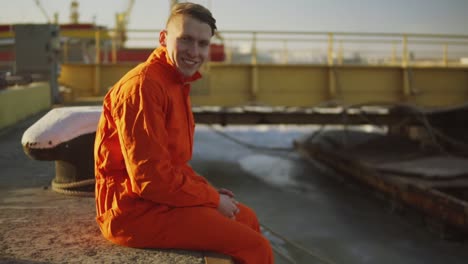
(325, 218)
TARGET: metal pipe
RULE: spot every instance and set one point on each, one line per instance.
(330, 49)
(97, 39)
(97, 66)
(254, 80)
(114, 50)
(65, 51)
(445, 54)
(404, 61)
(228, 52)
(340, 53)
(254, 48)
(285, 52)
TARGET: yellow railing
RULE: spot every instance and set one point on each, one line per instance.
(285, 47)
(348, 48)
(302, 68)
(308, 68)
(332, 48)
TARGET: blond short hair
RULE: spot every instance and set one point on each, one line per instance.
(196, 11)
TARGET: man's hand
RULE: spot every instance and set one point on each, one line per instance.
(227, 206)
(226, 192)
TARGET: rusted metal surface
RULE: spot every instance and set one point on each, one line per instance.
(433, 167)
(440, 199)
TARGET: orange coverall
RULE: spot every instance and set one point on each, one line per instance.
(147, 196)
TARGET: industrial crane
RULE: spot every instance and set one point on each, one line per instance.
(122, 19)
(39, 5)
(74, 14)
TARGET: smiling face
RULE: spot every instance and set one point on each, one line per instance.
(187, 41)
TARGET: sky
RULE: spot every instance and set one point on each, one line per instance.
(394, 16)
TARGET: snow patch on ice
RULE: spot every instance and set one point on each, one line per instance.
(272, 170)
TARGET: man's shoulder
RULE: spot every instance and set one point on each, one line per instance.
(148, 72)
(145, 79)
(142, 75)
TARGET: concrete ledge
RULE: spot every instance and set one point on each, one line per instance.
(19, 102)
(40, 226)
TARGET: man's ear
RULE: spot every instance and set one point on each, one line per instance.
(163, 37)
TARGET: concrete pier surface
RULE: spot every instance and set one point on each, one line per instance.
(322, 217)
(38, 225)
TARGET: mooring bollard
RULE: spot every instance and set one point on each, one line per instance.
(66, 135)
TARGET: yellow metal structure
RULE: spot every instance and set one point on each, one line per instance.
(297, 85)
(7, 34)
(22, 101)
(85, 34)
(397, 76)
(70, 33)
(74, 14)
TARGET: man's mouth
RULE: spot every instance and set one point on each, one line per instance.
(189, 62)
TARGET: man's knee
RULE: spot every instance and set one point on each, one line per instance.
(248, 217)
(264, 245)
(247, 211)
(266, 250)
(260, 253)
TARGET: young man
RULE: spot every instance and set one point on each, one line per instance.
(147, 196)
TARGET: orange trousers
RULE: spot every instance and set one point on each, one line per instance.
(201, 229)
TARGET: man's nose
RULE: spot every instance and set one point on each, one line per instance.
(193, 49)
